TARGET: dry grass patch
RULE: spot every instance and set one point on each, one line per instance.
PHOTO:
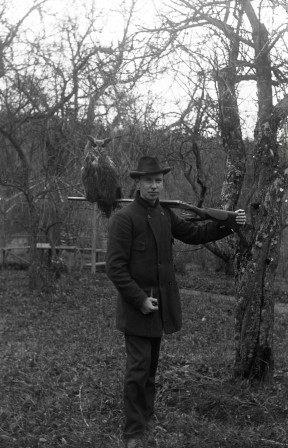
(62, 365)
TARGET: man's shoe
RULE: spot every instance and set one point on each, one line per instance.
(135, 442)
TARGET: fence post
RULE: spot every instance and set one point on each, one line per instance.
(3, 213)
(94, 235)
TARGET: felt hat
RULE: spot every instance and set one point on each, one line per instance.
(148, 165)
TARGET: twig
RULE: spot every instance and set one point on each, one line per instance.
(274, 443)
(80, 404)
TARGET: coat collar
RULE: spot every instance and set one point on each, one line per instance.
(144, 203)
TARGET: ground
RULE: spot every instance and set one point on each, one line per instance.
(62, 364)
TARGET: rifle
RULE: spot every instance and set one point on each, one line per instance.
(226, 217)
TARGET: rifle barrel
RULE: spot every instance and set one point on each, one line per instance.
(205, 213)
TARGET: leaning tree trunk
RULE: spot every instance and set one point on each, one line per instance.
(230, 126)
(255, 297)
(258, 263)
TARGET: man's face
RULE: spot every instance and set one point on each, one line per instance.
(150, 186)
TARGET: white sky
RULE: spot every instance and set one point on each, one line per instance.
(146, 11)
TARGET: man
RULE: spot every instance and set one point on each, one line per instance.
(139, 263)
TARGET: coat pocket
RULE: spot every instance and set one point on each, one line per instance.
(153, 291)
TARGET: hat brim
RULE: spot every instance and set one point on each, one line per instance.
(136, 174)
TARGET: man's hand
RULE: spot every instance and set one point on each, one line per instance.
(241, 217)
(150, 305)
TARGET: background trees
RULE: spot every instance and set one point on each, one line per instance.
(63, 78)
(52, 83)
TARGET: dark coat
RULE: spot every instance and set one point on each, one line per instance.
(139, 261)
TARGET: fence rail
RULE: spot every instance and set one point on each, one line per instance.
(18, 252)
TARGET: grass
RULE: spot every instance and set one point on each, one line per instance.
(62, 364)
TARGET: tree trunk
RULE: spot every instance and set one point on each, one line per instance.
(257, 265)
(232, 138)
(254, 317)
(230, 126)
(258, 257)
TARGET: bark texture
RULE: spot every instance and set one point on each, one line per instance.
(256, 265)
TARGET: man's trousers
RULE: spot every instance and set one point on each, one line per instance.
(139, 384)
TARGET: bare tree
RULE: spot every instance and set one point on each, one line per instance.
(44, 97)
(236, 47)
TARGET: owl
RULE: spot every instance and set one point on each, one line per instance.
(100, 177)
